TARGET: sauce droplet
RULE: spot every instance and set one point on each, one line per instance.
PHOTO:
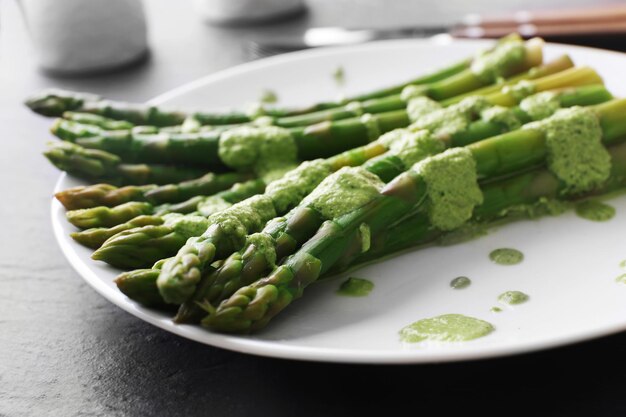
(513, 297)
(355, 287)
(459, 283)
(268, 97)
(506, 256)
(595, 211)
(446, 328)
(339, 76)
(495, 309)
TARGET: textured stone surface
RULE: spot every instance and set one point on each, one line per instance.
(66, 351)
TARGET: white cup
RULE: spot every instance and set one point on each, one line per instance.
(73, 36)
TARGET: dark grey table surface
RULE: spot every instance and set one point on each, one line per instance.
(66, 351)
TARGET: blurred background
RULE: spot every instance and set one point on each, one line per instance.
(174, 42)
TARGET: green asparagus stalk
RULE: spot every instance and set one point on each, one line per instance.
(139, 286)
(55, 102)
(96, 236)
(109, 195)
(251, 307)
(134, 246)
(316, 141)
(436, 76)
(102, 216)
(459, 83)
(202, 148)
(555, 66)
(99, 121)
(92, 125)
(87, 196)
(97, 165)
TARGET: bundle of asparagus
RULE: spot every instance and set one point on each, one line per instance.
(403, 166)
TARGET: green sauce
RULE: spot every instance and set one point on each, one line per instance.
(501, 116)
(366, 237)
(419, 105)
(544, 206)
(370, 121)
(459, 283)
(265, 245)
(261, 149)
(494, 64)
(413, 91)
(344, 191)
(452, 187)
(520, 90)
(186, 225)
(541, 105)
(355, 107)
(212, 205)
(495, 310)
(247, 215)
(355, 287)
(339, 75)
(268, 97)
(445, 122)
(576, 154)
(446, 328)
(411, 147)
(294, 185)
(595, 211)
(190, 125)
(622, 264)
(506, 256)
(513, 297)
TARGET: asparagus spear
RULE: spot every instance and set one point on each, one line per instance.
(459, 83)
(140, 285)
(55, 102)
(438, 75)
(320, 140)
(97, 120)
(205, 206)
(92, 125)
(94, 165)
(251, 307)
(202, 148)
(109, 195)
(151, 242)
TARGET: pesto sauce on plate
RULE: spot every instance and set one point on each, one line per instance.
(355, 287)
(506, 256)
(446, 328)
(595, 211)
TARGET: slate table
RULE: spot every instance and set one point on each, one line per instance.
(66, 351)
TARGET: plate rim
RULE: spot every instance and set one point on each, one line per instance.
(273, 348)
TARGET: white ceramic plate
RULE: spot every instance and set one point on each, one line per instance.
(570, 263)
